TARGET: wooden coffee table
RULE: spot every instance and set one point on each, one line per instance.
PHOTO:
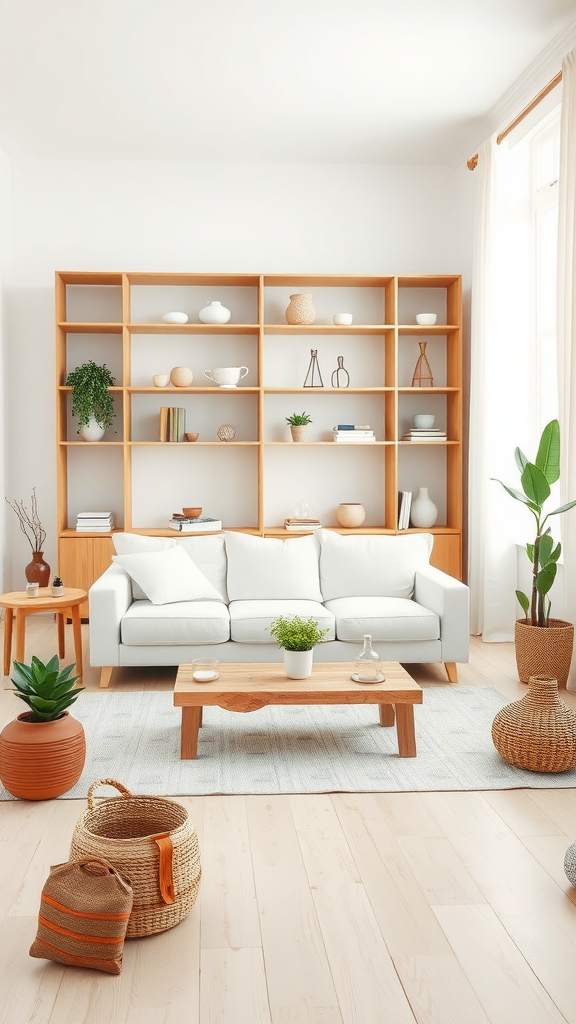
(252, 686)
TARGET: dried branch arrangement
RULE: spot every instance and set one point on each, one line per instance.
(30, 521)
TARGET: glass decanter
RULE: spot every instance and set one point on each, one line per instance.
(368, 664)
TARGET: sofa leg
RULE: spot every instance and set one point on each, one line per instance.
(451, 671)
(105, 675)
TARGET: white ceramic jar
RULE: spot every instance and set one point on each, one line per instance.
(92, 431)
(214, 313)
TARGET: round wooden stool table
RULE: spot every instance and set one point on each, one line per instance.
(67, 606)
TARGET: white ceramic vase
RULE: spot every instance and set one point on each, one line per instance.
(92, 431)
(298, 664)
(423, 512)
(214, 313)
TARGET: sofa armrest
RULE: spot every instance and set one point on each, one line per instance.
(109, 599)
(449, 599)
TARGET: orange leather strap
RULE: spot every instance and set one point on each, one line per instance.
(165, 876)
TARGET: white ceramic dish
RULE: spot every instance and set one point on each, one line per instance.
(175, 318)
(342, 319)
(426, 319)
(423, 421)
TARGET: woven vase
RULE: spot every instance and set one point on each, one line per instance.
(537, 732)
(301, 309)
(544, 650)
(350, 514)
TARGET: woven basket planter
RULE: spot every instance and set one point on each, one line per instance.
(544, 650)
(151, 842)
(537, 732)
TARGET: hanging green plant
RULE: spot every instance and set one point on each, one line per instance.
(90, 394)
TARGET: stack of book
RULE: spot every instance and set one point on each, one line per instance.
(172, 423)
(435, 434)
(94, 522)
(353, 433)
(302, 525)
(404, 506)
(201, 525)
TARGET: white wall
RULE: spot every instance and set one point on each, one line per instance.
(4, 280)
(179, 216)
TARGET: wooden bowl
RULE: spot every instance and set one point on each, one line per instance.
(192, 513)
(191, 437)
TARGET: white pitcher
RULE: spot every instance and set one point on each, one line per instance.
(226, 376)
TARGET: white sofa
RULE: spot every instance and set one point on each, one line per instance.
(216, 595)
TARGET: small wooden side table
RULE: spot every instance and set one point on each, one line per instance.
(67, 606)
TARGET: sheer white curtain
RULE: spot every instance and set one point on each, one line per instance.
(566, 331)
(501, 373)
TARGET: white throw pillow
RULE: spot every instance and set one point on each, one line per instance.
(263, 568)
(369, 565)
(208, 553)
(168, 576)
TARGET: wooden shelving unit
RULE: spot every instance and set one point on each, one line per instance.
(113, 315)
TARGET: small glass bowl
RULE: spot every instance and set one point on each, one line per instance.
(205, 670)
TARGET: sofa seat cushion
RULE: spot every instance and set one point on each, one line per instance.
(383, 618)
(184, 622)
(249, 619)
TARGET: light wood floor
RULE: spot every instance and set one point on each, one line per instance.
(440, 908)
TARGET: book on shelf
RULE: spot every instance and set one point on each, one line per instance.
(301, 525)
(201, 525)
(353, 437)
(172, 423)
(95, 522)
(404, 506)
(425, 436)
(352, 426)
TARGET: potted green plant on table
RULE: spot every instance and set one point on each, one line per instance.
(543, 645)
(42, 751)
(298, 423)
(298, 637)
(92, 402)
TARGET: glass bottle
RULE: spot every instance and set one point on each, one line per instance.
(57, 587)
(368, 664)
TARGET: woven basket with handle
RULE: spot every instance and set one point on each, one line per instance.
(152, 843)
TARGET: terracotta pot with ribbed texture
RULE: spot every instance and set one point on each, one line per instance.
(537, 732)
(41, 760)
(38, 571)
(544, 650)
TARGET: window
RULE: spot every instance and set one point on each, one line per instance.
(544, 159)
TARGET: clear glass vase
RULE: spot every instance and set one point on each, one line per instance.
(368, 664)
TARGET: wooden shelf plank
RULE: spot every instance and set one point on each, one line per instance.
(429, 391)
(92, 444)
(306, 329)
(427, 280)
(79, 327)
(412, 444)
(69, 531)
(209, 390)
(65, 387)
(194, 280)
(162, 328)
(190, 444)
(328, 444)
(328, 281)
(331, 391)
(419, 329)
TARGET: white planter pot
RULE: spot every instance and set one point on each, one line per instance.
(298, 664)
(92, 431)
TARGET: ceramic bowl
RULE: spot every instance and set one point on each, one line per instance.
(175, 318)
(342, 319)
(161, 380)
(424, 421)
(192, 513)
(191, 437)
(426, 319)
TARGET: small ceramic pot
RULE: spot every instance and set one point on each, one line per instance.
(214, 313)
(161, 380)
(38, 571)
(181, 376)
(298, 664)
(350, 514)
(426, 319)
(191, 437)
(41, 760)
(424, 421)
(92, 431)
(175, 318)
(342, 319)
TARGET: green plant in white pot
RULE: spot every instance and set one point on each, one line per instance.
(92, 402)
(298, 637)
(543, 645)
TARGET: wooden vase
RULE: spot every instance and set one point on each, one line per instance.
(41, 760)
(38, 571)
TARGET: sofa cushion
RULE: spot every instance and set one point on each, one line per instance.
(384, 618)
(371, 566)
(168, 576)
(208, 553)
(263, 568)
(185, 622)
(249, 619)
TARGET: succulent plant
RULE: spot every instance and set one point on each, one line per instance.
(44, 688)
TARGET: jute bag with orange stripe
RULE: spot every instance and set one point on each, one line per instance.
(84, 912)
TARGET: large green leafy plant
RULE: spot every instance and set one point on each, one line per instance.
(46, 690)
(536, 479)
(296, 634)
(90, 395)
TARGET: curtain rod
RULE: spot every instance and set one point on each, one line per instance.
(472, 162)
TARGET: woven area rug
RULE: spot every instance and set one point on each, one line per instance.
(135, 738)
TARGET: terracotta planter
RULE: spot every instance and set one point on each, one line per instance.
(537, 732)
(544, 650)
(38, 571)
(40, 760)
(298, 433)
